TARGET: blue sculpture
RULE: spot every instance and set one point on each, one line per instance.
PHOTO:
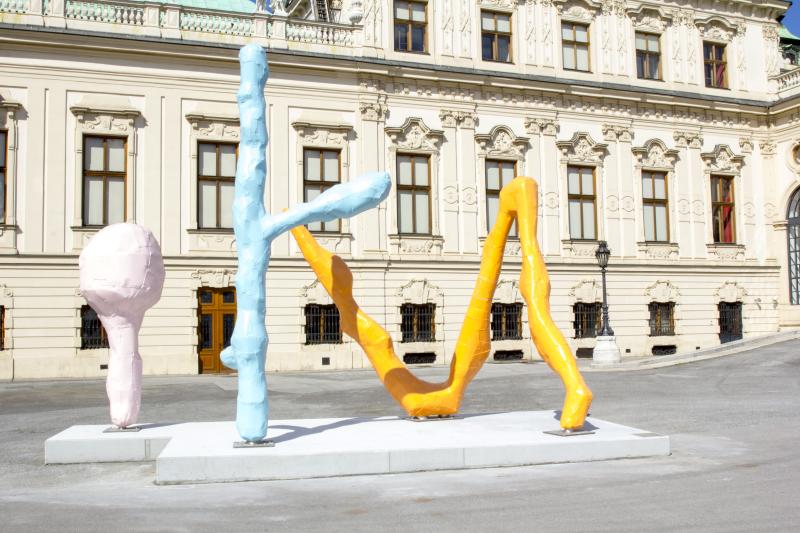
(255, 230)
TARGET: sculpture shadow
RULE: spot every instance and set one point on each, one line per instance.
(587, 426)
(297, 432)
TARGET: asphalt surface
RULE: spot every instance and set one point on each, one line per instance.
(735, 464)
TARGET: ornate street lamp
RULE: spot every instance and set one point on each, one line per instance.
(602, 254)
(606, 350)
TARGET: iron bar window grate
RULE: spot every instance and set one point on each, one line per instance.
(506, 322)
(662, 319)
(2, 327)
(417, 322)
(587, 319)
(730, 321)
(93, 334)
(322, 324)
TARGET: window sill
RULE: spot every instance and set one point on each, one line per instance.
(425, 53)
(220, 231)
(726, 251)
(658, 250)
(576, 70)
(415, 244)
(497, 61)
(579, 248)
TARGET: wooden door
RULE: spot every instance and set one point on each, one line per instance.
(216, 317)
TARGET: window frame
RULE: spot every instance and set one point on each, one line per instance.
(414, 334)
(575, 44)
(716, 179)
(2, 327)
(324, 315)
(505, 313)
(322, 183)
(218, 179)
(656, 320)
(582, 198)
(4, 171)
(495, 33)
(105, 174)
(655, 202)
(576, 314)
(714, 63)
(413, 189)
(410, 24)
(647, 53)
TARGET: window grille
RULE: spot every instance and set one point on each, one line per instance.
(216, 174)
(2, 327)
(730, 321)
(93, 334)
(506, 322)
(648, 56)
(662, 319)
(723, 210)
(508, 355)
(3, 187)
(426, 358)
(410, 26)
(496, 36)
(104, 171)
(322, 169)
(715, 65)
(322, 324)
(587, 319)
(418, 322)
(793, 236)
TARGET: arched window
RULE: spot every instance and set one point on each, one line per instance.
(793, 234)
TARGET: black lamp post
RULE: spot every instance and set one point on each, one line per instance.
(602, 254)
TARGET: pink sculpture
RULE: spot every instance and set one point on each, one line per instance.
(122, 274)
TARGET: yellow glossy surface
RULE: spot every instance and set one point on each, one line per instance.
(518, 200)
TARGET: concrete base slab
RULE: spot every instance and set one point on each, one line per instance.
(203, 452)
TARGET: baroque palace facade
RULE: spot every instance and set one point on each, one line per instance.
(670, 129)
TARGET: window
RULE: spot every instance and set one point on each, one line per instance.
(587, 319)
(2, 327)
(715, 65)
(322, 324)
(93, 334)
(648, 56)
(506, 322)
(575, 46)
(793, 237)
(322, 170)
(654, 198)
(498, 175)
(3, 150)
(216, 169)
(662, 319)
(417, 322)
(722, 209)
(496, 36)
(413, 194)
(410, 26)
(730, 321)
(104, 169)
(581, 188)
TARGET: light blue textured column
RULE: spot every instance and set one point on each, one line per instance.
(255, 229)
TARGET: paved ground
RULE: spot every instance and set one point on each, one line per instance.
(735, 463)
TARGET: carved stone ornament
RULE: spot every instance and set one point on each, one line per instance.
(451, 118)
(746, 145)
(502, 4)
(586, 291)
(655, 155)
(315, 293)
(319, 134)
(661, 251)
(507, 292)
(717, 29)
(649, 19)
(579, 249)
(219, 278)
(415, 135)
(419, 291)
(374, 111)
(688, 138)
(731, 292)
(105, 118)
(662, 291)
(577, 10)
(450, 195)
(726, 252)
(501, 141)
(545, 126)
(722, 159)
(614, 132)
(768, 147)
(581, 148)
(218, 127)
(470, 195)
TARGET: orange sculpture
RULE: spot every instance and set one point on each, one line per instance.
(518, 200)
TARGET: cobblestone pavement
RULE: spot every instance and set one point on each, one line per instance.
(735, 464)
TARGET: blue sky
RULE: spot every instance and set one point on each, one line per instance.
(792, 20)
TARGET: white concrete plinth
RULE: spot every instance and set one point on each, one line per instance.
(606, 351)
(202, 452)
